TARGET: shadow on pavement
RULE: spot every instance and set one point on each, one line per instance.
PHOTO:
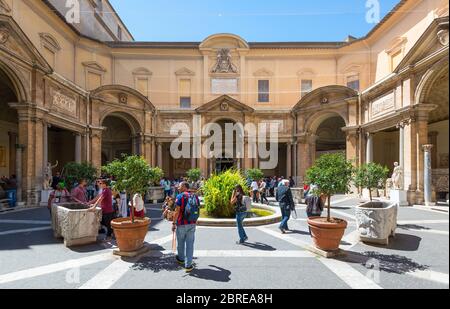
(259, 246)
(408, 227)
(402, 242)
(390, 263)
(155, 261)
(218, 274)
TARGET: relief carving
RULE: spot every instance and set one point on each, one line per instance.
(224, 62)
(64, 102)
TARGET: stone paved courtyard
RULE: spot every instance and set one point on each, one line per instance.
(417, 258)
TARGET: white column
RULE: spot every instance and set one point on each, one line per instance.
(369, 148)
(427, 175)
(402, 153)
(78, 148)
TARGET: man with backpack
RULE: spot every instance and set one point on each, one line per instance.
(186, 215)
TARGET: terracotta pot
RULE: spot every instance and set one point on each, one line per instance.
(327, 235)
(130, 236)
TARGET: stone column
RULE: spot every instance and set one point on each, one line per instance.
(369, 148)
(12, 152)
(160, 155)
(401, 127)
(288, 159)
(428, 186)
(96, 148)
(432, 140)
(45, 144)
(19, 150)
(294, 163)
(154, 155)
(77, 147)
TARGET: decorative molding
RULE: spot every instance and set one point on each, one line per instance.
(142, 72)
(443, 37)
(95, 66)
(263, 73)
(48, 41)
(306, 73)
(4, 35)
(4, 7)
(224, 63)
(427, 148)
(64, 102)
(184, 72)
(396, 45)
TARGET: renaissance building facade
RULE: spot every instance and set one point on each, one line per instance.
(85, 90)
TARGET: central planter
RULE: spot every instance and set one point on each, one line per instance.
(130, 236)
(155, 194)
(326, 235)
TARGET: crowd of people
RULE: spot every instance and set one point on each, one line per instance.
(8, 187)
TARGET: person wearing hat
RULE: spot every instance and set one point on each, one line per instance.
(59, 195)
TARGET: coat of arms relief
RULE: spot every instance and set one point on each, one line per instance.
(224, 62)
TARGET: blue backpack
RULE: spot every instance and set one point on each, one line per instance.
(192, 208)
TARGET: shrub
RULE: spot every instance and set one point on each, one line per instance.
(194, 174)
(332, 174)
(217, 193)
(254, 174)
(74, 172)
(370, 176)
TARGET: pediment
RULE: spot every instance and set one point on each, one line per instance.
(184, 72)
(224, 104)
(14, 42)
(263, 73)
(4, 7)
(142, 71)
(93, 65)
(434, 39)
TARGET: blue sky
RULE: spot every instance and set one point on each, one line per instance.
(254, 20)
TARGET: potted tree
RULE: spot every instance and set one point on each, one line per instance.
(332, 174)
(376, 220)
(74, 172)
(194, 175)
(155, 191)
(254, 174)
(133, 175)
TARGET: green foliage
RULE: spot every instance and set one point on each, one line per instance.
(217, 193)
(132, 174)
(74, 172)
(157, 174)
(332, 173)
(254, 174)
(371, 176)
(194, 174)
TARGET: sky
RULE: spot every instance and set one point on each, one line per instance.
(254, 20)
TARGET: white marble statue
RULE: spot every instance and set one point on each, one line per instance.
(397, 177)
(48, 175)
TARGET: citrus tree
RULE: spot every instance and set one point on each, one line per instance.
(332, 174)
(133, 175)
(370, 176)
(194, 174)
(217, 192)
(75, 172)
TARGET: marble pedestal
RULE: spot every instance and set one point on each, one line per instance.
(44, 197)
(399, 197)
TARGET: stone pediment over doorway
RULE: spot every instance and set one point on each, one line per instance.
(225, 104)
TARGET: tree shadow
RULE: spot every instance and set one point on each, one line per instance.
(408, 227)
(259, 246)
(218, 274)
(297, 232)
(389, 263)
(155, 261)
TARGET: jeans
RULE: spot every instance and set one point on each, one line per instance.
(286, 215)
(264, 198)
(106, 221)
(240, 216)
(255, 196)
(186, 239)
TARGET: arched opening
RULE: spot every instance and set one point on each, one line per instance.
(8, 135)
(116, 138)
(228, 158)
(330, 137)
(438, 134)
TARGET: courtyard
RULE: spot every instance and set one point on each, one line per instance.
(417, 258)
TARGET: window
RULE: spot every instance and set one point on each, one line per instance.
(185, 102)
(396, 58)
(185, 93)
(263, 91)
(353, 82)
(306, 86)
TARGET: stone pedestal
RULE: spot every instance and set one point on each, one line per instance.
(75, 224)
(45, 194)
(399, 197)
(155, 194)
(297, 194)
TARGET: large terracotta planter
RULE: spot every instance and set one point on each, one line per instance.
(130, 236)
(327, 236)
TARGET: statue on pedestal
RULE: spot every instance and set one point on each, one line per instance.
(397, 177)
(48, 175)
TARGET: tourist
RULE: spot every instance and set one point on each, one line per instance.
(315, 205)
(139, 207)
(165, 183)
(272, 186)
(255, 189)
(56, 180)
(263, 192)
(59, 195)
(286, 201)
(237, 199)
(79, 193)
(185, 229)
(291, 182)
(105, 201)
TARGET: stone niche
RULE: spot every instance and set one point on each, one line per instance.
(75, 223)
